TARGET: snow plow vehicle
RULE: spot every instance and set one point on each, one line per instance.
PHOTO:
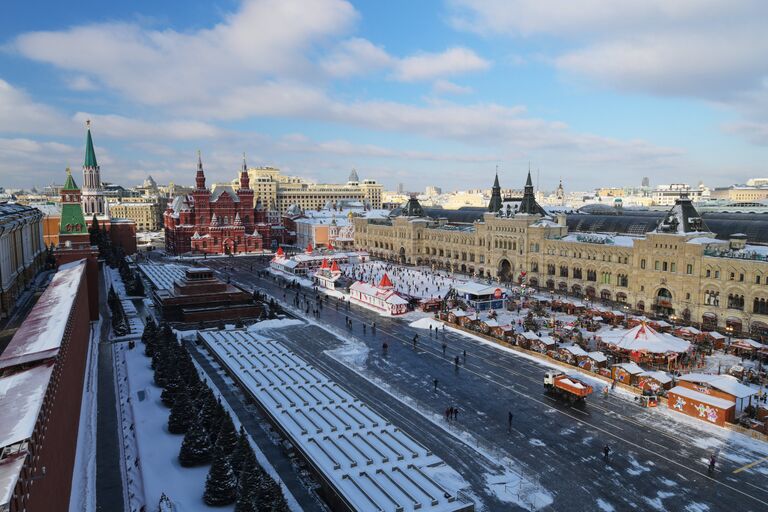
(565, 386)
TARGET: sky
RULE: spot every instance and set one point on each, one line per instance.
(428, 92)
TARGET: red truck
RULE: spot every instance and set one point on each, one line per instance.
(565, 386)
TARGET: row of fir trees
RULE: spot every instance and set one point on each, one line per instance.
(210, 436)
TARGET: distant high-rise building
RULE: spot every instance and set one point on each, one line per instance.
(646, 182)
(433, 191)
(400, 188)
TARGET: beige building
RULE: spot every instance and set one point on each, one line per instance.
(679, 270)
(279, 192)
(146, 212)
(741, 193)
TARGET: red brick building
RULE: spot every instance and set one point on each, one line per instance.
(41, 390)
(223, 222)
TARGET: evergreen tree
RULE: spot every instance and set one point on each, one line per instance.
(242, 452)
(196, 447)
(248, 484)
(173, 385)
(182, 414)
(95, 232)
(269, 495)
(221, 483)
(212, 416)
(227, 440)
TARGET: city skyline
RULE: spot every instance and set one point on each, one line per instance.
(427, 94)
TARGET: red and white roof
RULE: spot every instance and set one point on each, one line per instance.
(388, 296)
(643, 338)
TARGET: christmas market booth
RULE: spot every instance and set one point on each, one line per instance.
(482, 297)
(383, 296)
(643, 344)
(715, 398)
(626, 373)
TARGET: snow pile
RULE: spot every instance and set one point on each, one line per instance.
(273, 324)
(426, 323)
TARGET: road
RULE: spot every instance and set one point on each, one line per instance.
(659, 461)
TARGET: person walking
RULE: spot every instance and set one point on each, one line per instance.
(364, 328)
(455, 413)
(384, 347)
(509, 421)
(435, 383)
(606, 452)
(712, 462)
(465, 356)
(415, 340)
(456, 363)
(445, 346)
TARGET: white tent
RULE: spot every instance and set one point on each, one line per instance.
(643, 338)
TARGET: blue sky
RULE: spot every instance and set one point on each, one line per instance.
(425, 93)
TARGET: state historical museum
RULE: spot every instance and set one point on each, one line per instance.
(223, 222)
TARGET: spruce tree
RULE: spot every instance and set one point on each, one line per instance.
(221, 483)
(173, 385)
(94, 231)
(227, 440)
(182, 414)
(248, 484)
(242, 451)
(196, 447)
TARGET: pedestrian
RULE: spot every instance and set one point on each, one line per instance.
(456, 362)
(465, 356)
(363, 328)
(445, 346)
(509, 421)
(384, 347)
(448, 413)
(455, 413)
(415, 340)
(435, 383)
(606, 452)
(613, 385)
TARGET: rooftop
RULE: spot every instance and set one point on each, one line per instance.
(40, 336)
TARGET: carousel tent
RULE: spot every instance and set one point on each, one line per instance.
(643, 338)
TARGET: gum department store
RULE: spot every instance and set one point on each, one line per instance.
(675, 265)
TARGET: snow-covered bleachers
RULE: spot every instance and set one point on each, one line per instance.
(370, 463)
(162, 275)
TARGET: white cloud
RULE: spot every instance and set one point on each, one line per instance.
(715, 50)
(20, 114)
(447, 87)
(755, 132)
(81, 83)
(427, 66)
(166, 67)
(356, 57)
(24, 162)
(111, 125)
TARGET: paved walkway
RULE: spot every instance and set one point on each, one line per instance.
(109, 480)
(251, 419)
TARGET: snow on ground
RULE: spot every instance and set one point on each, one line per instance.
(272, 324)
(426, 323)
(158, 449)
(604, 505)
(416, 282)
(262, 459)
(353, 354)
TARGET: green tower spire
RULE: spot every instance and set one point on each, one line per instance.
(90, 154)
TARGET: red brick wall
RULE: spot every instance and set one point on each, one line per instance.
(55, 442)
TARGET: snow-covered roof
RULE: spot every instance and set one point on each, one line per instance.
(597, 356)
(369, 462)
(473, 288)
(716, 335)
(690, 330)
(10, 470)
(387, 295)
(163, 275)
(725, 383)
(704, 240)
(747, 343)
(220, 189)
(714, 401)
(530, 335)
(630, 368)
(658, 375)
(643, 338)
(574, 349)
(21, 397)
(41, 333)
(601, 238)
